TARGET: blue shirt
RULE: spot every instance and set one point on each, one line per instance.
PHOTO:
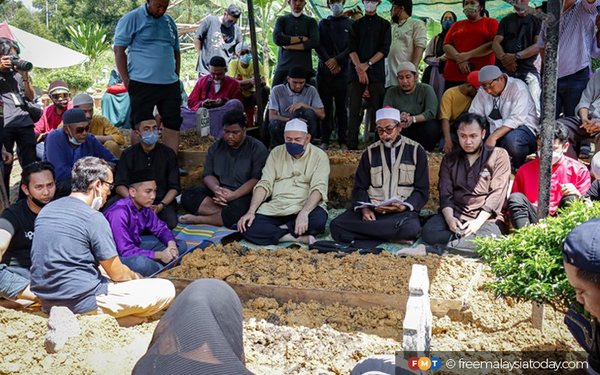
(70, 240)
(151, 44)
(63, 156)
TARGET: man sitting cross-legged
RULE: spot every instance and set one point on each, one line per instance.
(131, 218)
(233, 167)
(295, 178)
(17, 231)
(473, 185)
(394, 166)
(73, 241)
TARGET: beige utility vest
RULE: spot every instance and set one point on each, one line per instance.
(397, 181)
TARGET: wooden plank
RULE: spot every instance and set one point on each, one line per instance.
(283, 294)
(537, 316)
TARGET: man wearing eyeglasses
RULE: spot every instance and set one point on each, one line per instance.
(60, 95)
(63, 147)
(393, 167)
(510, 111)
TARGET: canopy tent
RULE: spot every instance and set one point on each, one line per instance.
(39, 51)
(425, 9)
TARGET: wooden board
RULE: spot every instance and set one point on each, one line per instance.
(283, 294)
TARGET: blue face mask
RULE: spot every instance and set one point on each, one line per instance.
(245, 59)
(336, 8)
(446, 24)
(74, 141)
(294, 149)
(150, 137)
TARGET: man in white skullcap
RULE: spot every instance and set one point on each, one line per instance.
(294, 181)
(393, 167)
(510, 111)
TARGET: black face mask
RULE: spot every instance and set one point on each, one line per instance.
(38, 202)
(495, 114)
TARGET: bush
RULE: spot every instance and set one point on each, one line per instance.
(89, 39)
(528, 264)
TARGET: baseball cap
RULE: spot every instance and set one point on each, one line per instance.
(473, 79)
(582, 246)
(234, 11)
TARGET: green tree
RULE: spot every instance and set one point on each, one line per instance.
(89, 39)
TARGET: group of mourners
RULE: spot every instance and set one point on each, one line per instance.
(93, 225)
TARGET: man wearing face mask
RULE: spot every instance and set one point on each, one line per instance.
(294, 181)
(393, 167)
(297, 35)
(516, 49)
(17, 231)
(509, 108)
(148, 153)
(214, 95)
(370, 39)
(332, 72)
(570, 180)
(217, 36)
(409, 39)
(67, 145)
(73, 248)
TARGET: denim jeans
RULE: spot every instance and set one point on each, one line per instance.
(144, 265)
(519, 143)
(13, 280)
(569, 90)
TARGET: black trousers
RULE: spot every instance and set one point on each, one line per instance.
(355, 95)
(437, 232)
(427, 133)
(350, 226)
(24, 138)
(266, 230)
(333, 89)
(524, 213)
(192, 198)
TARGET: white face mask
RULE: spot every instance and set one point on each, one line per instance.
(97, 202)
(556, 156)
(370, 6)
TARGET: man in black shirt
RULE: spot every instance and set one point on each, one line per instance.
(163, 162)
(516, 49)
(17, 231)
(332, 73)
(233, 166)
(297, 35)
(370, 39)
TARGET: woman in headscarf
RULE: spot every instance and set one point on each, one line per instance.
(201, 333)
(435, 58)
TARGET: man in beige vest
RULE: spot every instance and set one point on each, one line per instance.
(393, 168)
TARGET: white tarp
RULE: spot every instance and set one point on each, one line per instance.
(42, 52)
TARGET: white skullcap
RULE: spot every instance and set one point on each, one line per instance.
(489, 72)
(296, 125)
(387, 113)
(407, 65)
(596, 166)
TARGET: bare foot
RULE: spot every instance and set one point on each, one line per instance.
(307, 239)
(131, 320)
(189, 219)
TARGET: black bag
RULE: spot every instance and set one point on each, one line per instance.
(35, 112)
(341, 247)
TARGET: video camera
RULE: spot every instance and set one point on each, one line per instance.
(20, 64)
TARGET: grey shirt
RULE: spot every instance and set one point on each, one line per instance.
(217, 40)
(70, 240)
(282, 97)
(590, 98)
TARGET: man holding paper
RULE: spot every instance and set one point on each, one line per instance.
(393, 167)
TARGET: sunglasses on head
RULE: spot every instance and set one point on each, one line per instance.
(82, 129)
(65, 95)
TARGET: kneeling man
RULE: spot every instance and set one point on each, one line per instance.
(295, 178)
(393, 167)
(73, 240)
(233, 167)
(130, 218)
(473, 186)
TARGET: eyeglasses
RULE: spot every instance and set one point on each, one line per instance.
(64, 95)
(387, 130)
(110, 184)
(488, 84)
(82, 129)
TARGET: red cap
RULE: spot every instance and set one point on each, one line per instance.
(473, 79)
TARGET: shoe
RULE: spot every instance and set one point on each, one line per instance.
(202, 122)
(182, 172)
(585, 151)
(324, 146)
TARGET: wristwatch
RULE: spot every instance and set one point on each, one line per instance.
(369, 63)
(518, 56)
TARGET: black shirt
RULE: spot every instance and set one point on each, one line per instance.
(519, 33)
(161, 159)
(12, 94)
(369, 35)
(288, 26)
(234, 167)
(18, 220)
(334, 33)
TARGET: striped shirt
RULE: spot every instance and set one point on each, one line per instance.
(576, 37)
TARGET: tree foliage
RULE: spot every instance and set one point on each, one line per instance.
(528, 264)
(89, 39)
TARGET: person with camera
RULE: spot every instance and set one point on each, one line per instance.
(17, 94)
